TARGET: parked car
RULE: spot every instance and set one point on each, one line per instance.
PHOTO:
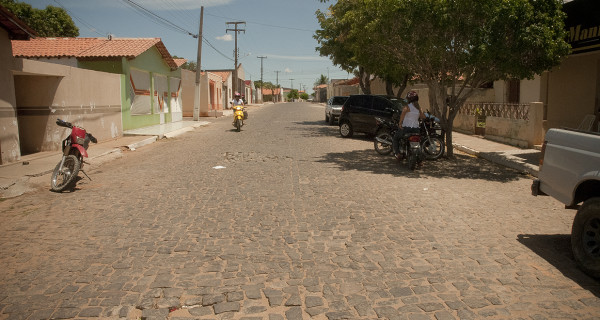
(569, 174)
(334, 108)
(359, 112)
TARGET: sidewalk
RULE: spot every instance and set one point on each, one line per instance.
(18, 178)
(524, 160)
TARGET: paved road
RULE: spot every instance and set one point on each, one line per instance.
(285, 220)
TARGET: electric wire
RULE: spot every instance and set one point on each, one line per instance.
(85, 23)
(158, 18)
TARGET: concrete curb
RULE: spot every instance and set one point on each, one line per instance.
(503, 159)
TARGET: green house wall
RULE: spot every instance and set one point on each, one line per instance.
(150, 61)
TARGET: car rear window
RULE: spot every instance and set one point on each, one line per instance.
(362, 101)
(339, 100)
(382, 103)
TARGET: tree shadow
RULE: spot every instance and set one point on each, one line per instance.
(320, 128)
(460, 167)
(532, 158)
(556, 249)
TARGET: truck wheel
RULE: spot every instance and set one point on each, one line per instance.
(585, 237)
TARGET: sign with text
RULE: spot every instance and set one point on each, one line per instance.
(583, 25)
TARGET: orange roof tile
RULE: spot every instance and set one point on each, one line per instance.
(89, 48)
(180, 61)
(268, 92)
(223, 74)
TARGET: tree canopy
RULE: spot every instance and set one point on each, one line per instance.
(321, 80)
(49, 22)
(452, 46)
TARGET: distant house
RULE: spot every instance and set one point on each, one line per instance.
(150, 77)
(211, 102)
(273, 95)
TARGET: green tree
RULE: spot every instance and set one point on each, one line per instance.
(456, 46)
(188, 65)
(350, 36)
(321, 80)
(49, 22)
(304, 96)
(293, 94)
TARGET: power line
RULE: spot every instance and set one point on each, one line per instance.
(153, 16)
(263, 24)
(158, 18)
(89, 26)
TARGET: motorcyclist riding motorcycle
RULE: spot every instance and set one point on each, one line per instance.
(409, 122)
(237, 101)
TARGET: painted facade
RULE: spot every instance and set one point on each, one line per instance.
(150, 77)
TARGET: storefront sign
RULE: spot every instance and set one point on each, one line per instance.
(583, 25)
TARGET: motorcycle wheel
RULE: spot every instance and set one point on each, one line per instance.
(433, 148)
(382, 148)
(63, 176)
(238, 125)
(412, 160)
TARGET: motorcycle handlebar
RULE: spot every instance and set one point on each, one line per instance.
(62, 123)
(92, 138)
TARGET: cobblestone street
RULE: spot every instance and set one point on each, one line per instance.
(287, 220)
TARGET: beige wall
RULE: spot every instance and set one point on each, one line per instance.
(572, 90)
(188, 85)
(9, 130)
(188, 89)
(45, 92)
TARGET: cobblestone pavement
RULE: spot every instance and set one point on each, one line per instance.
(286, 220)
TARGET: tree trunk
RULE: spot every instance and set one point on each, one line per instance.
(389, 88)
(364, 81)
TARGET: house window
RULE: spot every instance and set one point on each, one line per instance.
(140, 92)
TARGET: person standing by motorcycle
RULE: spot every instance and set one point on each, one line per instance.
(409, 122)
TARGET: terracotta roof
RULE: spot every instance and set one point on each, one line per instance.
(268, 92)
(348, 82)
(90, 48)
(180, 61)
(223, 74)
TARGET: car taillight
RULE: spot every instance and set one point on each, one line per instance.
(542, 154)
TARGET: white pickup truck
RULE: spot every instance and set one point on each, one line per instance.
(570, 173)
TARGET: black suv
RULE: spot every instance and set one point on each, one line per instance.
(359, 112)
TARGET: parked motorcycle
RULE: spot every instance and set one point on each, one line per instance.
(432, 143)
(238, 117)
(410, 147)
(74, 148)
(432, 140)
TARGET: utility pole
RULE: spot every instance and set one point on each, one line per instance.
(198, 69)
(235, 52)
(261, 75)
(292, 81)
(277, 81)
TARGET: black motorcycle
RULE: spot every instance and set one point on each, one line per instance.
(432, 143)
(410, 145)
(432, 139)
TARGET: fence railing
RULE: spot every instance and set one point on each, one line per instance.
(501, 110)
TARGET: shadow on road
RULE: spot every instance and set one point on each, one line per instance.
(461, 167)
(556, 249)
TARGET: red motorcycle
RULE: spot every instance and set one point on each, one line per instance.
(74, 149)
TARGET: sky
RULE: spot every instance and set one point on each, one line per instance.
(280, 30)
